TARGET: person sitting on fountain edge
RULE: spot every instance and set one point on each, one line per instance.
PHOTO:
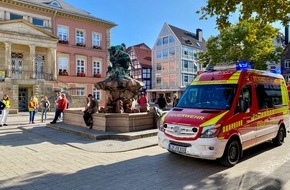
(91, 108)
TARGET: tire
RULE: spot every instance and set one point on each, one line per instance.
(279, 139)
(231, 154)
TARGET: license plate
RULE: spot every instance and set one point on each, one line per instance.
(177, 149)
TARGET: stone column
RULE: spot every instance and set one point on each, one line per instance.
(32, 60)
(52, 63)
(8, 64)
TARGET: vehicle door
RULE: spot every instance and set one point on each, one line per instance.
(245, 110)
(269, 97)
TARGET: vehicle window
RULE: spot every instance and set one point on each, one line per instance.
(208, 96)
(268, 95)
(245, 99)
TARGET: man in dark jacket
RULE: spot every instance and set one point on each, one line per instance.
(91, 108)
(162, 102)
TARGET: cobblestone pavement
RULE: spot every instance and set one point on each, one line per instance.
(32, 160)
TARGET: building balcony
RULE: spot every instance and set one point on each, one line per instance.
(24, 75)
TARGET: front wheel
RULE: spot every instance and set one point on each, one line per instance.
(279, 139)
(231, 154)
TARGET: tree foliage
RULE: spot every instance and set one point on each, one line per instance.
(263, 11)
(247, 40)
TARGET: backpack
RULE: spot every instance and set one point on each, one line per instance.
(2, 105)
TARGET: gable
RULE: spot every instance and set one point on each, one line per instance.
(164, 31)
(24, 28)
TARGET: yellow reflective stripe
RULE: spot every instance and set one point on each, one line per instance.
(232, 80)
(235, 77)
(214, 120)
(284, 110)
(195, 80)
(163, 117)
(285, 97)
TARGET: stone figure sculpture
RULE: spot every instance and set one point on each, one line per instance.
(120, 61)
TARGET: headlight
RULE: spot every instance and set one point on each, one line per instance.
(161, 123)
(210, 131)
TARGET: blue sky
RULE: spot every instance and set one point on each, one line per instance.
(141, 21)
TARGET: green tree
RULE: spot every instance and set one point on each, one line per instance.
(264, 11)
(247, 40)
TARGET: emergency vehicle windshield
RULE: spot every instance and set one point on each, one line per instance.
(210, 96)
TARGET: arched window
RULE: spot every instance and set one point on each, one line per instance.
(55, 4)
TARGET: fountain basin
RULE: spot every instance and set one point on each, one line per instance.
(119, 122)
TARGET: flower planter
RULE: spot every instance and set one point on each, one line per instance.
(97, 47)
(81, 45)
(97, 75)
(81, 74)
(62, 72)
(63, 41)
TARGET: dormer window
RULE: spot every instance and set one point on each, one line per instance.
(55, 4)
(187, 41)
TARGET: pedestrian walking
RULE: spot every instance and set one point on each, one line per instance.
(57, 99)
(32, 106)
(35, 99)
(174, 100)
(44, 105)
(162, 103)
(91, 108)
(61, 106)
(2, 106)
(5, 111)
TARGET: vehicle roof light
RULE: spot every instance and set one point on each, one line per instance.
(241, 65)
(276, 71)
(209, 68)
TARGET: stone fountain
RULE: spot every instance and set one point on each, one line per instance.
(120, 113)
(122, 90)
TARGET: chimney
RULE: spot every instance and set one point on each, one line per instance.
(199, 34)
(286, 35)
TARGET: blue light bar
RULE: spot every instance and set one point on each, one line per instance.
(241, 65)
(276, 71)
(209, 68)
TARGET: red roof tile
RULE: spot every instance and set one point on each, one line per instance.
(143, 54)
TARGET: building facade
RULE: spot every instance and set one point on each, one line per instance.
(285, 60)
(174, 61)
(141, 59)
(278, 42)
(49, 46)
